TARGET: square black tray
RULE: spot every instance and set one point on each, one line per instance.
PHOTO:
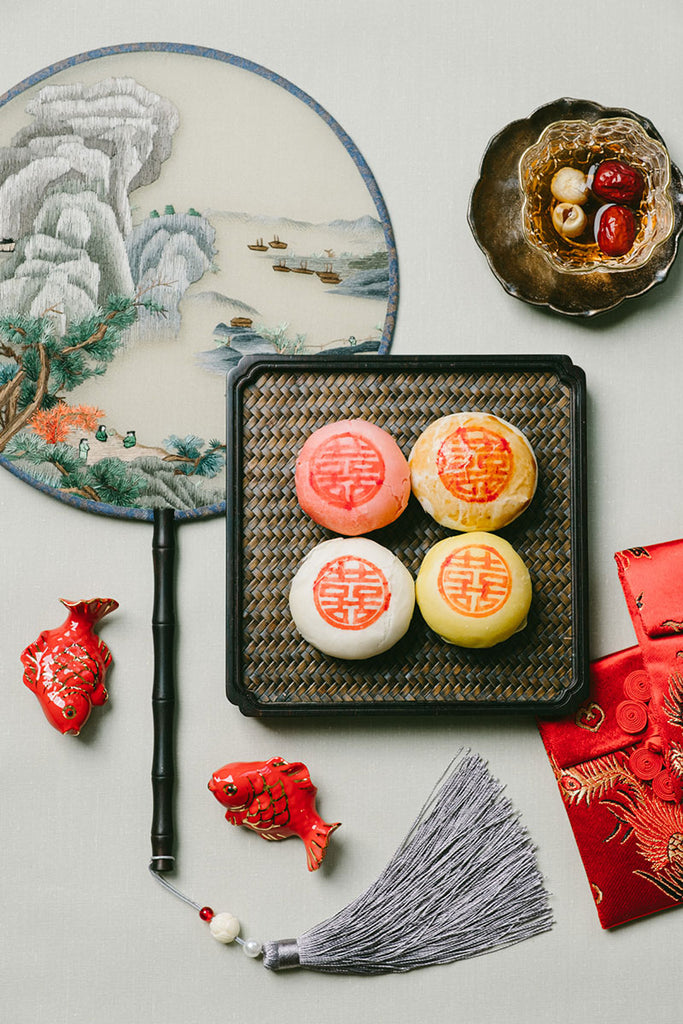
(274, 403)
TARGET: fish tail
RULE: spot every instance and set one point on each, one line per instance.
(93, 610)
(316, 841)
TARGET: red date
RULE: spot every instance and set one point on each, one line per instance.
(617, 182)
(615, 229)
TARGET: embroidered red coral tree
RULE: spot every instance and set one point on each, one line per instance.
(54, 424)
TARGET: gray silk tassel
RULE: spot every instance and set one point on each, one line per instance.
(463, 882)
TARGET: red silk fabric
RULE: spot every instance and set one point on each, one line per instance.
(618, 758)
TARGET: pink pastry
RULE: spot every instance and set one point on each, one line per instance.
(352, 478)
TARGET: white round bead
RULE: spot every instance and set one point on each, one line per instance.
(252, 948)
(224, 927)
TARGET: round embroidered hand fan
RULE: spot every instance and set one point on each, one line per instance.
(165, 209)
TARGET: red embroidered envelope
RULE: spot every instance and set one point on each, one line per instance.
(618, 759)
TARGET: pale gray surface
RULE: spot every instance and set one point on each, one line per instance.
(86, 935)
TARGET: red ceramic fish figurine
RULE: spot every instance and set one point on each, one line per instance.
(65, 667)
(275, 799)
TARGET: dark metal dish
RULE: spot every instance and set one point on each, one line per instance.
(274, 403)
(495, 217)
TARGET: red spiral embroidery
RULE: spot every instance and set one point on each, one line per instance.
(667, 787)
(645, 764)
(631, 716)
(637, 685)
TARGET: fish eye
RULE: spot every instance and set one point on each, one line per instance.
(69, 711)
(230, 789)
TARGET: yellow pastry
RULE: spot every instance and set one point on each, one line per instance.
(474, 590)
(473, 471)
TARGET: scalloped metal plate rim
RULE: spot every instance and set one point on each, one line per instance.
(575, 299)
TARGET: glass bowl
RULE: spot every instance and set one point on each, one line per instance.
(582, 144)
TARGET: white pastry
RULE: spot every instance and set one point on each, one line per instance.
(352, 598)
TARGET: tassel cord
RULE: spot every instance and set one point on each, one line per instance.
(463, 882)
(164, 882)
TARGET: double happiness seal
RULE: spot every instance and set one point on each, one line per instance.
(351, 593)
(475, 580)
(347, 471)
(474, 464)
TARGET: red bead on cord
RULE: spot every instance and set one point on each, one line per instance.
(206, 914)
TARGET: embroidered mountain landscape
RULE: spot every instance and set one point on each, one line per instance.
(110, 311)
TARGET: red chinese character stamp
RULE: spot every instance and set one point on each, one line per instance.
(347, 471)
(351, 593)
(474, 464)
(475, 580)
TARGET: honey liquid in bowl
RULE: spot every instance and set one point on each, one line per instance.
(583, 145)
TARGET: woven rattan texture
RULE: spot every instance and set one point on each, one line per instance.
(279, 411)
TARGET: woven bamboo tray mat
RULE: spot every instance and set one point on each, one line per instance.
(273, 406)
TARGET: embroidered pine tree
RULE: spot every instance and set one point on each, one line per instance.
(109, 480)
(191, 456)
(41, 367)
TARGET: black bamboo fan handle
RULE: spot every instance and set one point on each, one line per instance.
(163, 692)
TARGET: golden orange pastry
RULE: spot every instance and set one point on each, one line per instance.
(473, 471)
